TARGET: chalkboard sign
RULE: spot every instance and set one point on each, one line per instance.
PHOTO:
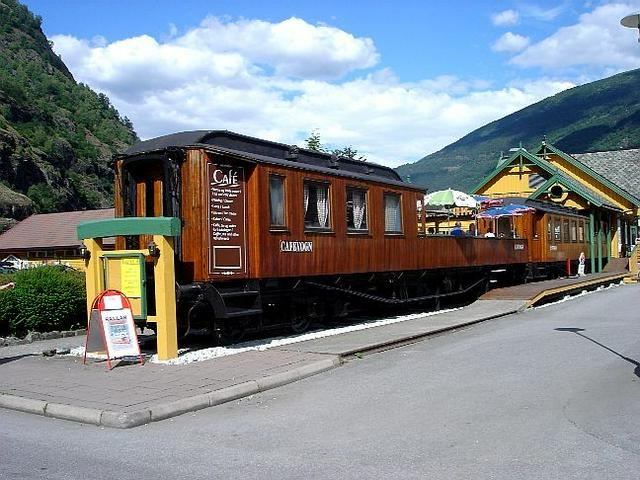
(227, 220)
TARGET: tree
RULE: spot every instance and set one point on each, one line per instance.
(313, 142)
(349, 152)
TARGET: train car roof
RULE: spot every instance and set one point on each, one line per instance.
(264, 151)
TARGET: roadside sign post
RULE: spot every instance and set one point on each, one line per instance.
(111, 328)
(124, 270)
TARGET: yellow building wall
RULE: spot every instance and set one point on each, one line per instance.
(569, 200)
(513, 182)
(444, 226)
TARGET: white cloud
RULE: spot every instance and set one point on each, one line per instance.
(292, 47)
(279, 81)
(510, 42)
(597, 41)
(542, 14)
(506, 18)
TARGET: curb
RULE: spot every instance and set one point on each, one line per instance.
(417, 337)
(136, 418)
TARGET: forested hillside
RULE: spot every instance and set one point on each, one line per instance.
(603, 115)
(56, 136)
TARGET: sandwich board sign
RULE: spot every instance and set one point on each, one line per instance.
(111, 328)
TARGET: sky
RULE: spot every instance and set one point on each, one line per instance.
(395, 80)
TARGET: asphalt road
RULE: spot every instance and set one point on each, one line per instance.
(550, 393)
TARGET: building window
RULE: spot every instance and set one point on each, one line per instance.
(574, 231)
(565, 231)
(392, 213)
(276, 201)
(357, 210)
(316, 206)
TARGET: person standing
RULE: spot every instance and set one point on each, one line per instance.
(581, 262)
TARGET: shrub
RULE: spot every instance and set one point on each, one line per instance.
(44, 299)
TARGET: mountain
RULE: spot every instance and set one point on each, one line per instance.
(57, 136)
(598, 116)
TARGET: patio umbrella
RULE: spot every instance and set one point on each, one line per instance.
(488, 202)
(450, 198)
(505, 211)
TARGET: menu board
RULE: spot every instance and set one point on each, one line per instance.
(227, 242)
(130, 273)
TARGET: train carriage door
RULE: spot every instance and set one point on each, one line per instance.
(148, 198)
(144, 195)
(227, 220)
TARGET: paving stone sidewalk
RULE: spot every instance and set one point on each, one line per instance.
(130, 395)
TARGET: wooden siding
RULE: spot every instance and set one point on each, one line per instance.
(336, 251)
(551, 249)
(512, 182)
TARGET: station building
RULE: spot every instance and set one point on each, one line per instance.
(49, 239)
(602, 186)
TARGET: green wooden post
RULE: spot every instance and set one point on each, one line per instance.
(599, 240)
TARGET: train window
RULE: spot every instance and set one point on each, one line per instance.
(565, 230)
(419, 211)
(574, 231)
(357, 210)
(316, 206)
(549, 235)
(581, 232)
(392, 213)
(557, 230)
(276, 201)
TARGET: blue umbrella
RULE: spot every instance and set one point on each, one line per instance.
(505, 211)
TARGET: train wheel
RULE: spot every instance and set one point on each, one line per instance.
(227, 334)
(300, 319)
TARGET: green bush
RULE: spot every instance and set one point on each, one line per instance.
(44, 299)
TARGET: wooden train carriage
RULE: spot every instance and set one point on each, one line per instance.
(257, 209)
(254, 212)
(555, 233)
